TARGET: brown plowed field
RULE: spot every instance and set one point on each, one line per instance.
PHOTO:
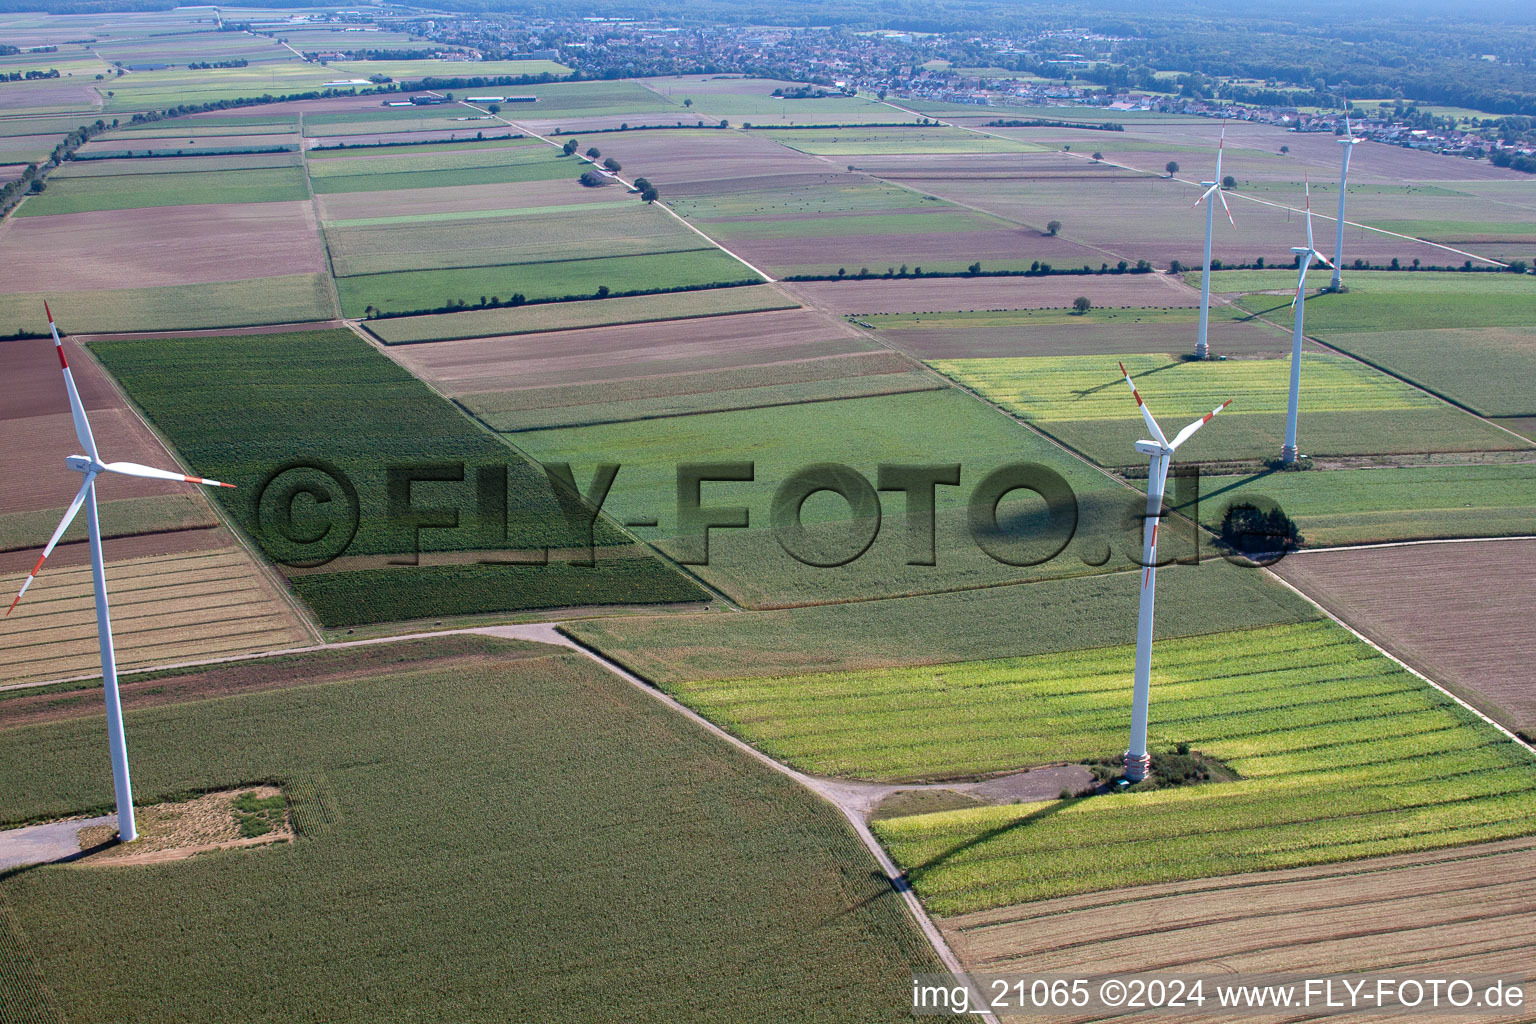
(928, 295)
(336, 206)
(681, 161)
(628, 351)
(164, 609)
(188, 144)
(1459, 613)
(471, 129)
(36, 431)
(161, 246)
(1463, 911)
(345, 663)
(879, 251)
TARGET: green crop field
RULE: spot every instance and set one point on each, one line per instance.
(1341, 754)
(431, 289)
(922, 428)
(467, 840)
(106, 168)
(988, 622)
(1346, 408)
(293, 298)
(228, 405)
(1368, 506)
(450, 157)
(1489, 370)
(321, 156)
(560, 316)
(132, 191)
(616, 229)
(775, 384)
(887, 141)
(1387, 301)
(388, 120)
(542, 164)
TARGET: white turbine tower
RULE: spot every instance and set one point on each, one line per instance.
(1159, 452)
(1202, 349)
(1304, 258)
(1348, 142)
(90, 466)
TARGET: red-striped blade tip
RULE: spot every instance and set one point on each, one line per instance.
(48, 311)
(226, 485)
(1225, 404)
(1123, 373)
(13, 605)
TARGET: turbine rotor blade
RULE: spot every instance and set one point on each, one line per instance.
(1301, 282)
(151, 473)
(69, 517)
(1146, 413)
(1206, 194)
(76, 407)
(1309, 214)
(1222, 196)
(1188, 432)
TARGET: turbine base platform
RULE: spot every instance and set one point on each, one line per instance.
(1289, 453)
(1202, 351)
(1137, 768)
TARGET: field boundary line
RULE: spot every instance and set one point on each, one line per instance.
(1399, 662)
(325, 243)
(1415, 543)
(767, 277)
(263, 568)
(826, 789)
(1186, 181)
(1415, 385)
(378, 346)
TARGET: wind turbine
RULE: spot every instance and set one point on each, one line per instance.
(1304, 258)
(1202, 350)
(90, 467)
(1159, 452)
(1349, 142)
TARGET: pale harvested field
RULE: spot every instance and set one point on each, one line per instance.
(1157, 142)
(1459, 613)
(628, 351)
(159, 247)
(1456, 912)
(164, 609)
(929, 295)
(336, 206)
(37, 433)
(1152, 218)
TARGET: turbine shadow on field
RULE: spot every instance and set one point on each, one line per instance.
(1140, 374)
(937, 861)
(1207, 495)
(1275, 309)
